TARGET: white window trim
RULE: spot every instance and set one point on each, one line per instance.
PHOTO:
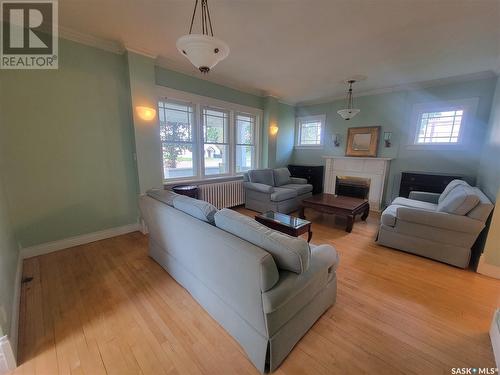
(468, 105)
(298, 120)
(199, 102)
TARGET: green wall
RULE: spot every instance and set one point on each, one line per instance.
(69, 166)
(8, 259)
(392, 111)
(286, 134)
(183, 82)
(489, 169)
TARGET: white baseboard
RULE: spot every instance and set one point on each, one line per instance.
(7, 360)
(45, 248)
(488, 269)
(495, 337)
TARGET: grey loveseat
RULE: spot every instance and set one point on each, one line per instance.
(263, 287)
(438, 226)
(274, 190)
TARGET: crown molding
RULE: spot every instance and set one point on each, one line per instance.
(406, 87)
(166, 63)
(90, 40)
(142, 52)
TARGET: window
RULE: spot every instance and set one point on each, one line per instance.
(441, 123)
(215, 141)
(206, 138)
(245, 142)
(309, 131)
(176, 132)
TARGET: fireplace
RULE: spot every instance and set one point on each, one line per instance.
(350, 186)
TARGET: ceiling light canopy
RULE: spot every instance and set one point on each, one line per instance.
(203, 50)
(349, 112)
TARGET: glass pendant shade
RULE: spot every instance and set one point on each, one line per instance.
(348, 114)
(203, 51)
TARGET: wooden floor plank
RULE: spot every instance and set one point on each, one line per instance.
(106, 307)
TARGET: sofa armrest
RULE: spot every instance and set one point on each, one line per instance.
(424, 196)
(442, 220)
(298, 180)
(261, 188)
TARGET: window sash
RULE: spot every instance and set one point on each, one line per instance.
(203, 116)
(317, 124)
(433, 127)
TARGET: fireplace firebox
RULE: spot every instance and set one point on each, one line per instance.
(357, 187)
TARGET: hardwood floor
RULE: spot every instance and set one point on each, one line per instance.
(106, 307)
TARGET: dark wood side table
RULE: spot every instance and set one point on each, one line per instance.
(347, 207)
(293, 226)
(187, 190)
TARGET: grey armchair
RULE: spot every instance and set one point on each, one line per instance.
(274, 190)
(438, 226)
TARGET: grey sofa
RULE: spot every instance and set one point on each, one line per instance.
(266, 296)
(274, 190)
(438, 226)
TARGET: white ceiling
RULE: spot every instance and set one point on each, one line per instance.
(301, 50)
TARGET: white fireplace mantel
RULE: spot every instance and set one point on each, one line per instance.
(375, 169)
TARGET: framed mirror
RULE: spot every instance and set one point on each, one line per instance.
(363, 141)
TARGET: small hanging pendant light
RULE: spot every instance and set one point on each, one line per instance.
(203, 50)
(349, 112)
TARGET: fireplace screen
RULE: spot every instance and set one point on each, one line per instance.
(349, 186)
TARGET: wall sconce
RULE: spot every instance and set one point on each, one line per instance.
(387, 139)
(145, 113)
(273, 129)
(337, 139)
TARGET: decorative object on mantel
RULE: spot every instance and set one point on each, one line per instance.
(203, 50)
(349, 112)
(387, 139)
(362, 141)
(337, 138)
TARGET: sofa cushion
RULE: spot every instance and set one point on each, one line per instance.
(197, 208)
(162, 195)
(293, 292)
(459, 201)
(452, 185)
(299, 188)
(483, 209)
(281, 194)
(261, 176)
(289, 253)
(400, 201)
(281, 176)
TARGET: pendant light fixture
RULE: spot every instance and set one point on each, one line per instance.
(349, 112)
(203, 50)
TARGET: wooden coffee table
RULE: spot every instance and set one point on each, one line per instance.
(347, 207)
(291, 225)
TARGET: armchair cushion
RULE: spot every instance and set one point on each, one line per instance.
(281, 176)
(424, 196)
(452, 185)
(261, 188)
(459, 201)
(282, 194)
(298, 180)
(289, 253)
(400, 201)
(261, 176)
(299, 188)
